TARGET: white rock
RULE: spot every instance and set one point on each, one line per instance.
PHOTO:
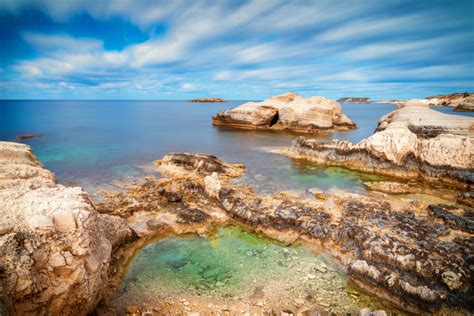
(212, 185)
(64, 221)
(41, 222)
(57, 260)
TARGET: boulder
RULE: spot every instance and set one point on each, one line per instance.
(57, 248)
(289, 112)
(185, 164)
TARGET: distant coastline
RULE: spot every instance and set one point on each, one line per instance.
(356, 100)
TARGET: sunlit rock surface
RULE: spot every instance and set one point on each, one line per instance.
(55, 247)
(411, 142)
(289, 112)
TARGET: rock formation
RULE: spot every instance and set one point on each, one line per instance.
(416, 256)
(462, 102)
(289, 112)
(208, 100)
(413, 142)
(56, 248)
(355, 100)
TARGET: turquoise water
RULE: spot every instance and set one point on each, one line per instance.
(232, 262)
(90, 143)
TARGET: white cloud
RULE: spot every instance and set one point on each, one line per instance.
(255, 45)
(29, 70)
(54, 42)
(188, 86)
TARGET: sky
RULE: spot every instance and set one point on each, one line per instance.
(241, 50)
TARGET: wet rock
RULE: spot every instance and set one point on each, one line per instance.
(318, 193)
(191, 216)
(185, 163)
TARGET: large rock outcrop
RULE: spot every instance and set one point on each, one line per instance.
(56, 248)
(411, 142)
(289, 112)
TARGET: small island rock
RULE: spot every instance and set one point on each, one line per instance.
(290, 112)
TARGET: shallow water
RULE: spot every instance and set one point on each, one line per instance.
(89, 143)
(233, 263)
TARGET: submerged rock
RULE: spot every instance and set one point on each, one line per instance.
(56, 249)
(289, 112)
(410, 143)
(28, 136)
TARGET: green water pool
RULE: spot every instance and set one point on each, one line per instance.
(235, 263)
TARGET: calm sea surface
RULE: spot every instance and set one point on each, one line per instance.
(91, 143)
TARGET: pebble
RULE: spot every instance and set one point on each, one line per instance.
(299, 301)
(311, 276)
(258, 303)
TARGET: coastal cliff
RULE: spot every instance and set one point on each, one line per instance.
(411, 142)
(56, 248)
(289, 112)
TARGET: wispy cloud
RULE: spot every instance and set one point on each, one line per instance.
(242, 50)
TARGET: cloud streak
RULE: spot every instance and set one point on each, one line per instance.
(248, 50)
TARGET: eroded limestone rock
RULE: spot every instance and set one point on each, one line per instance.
(56, 248)
(413, 142)
(286, 112)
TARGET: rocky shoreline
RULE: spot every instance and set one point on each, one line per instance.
(418, 257)
(63, 252)
(412, 142)
(286, 112)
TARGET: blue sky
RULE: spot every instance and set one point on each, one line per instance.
(129, 49)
